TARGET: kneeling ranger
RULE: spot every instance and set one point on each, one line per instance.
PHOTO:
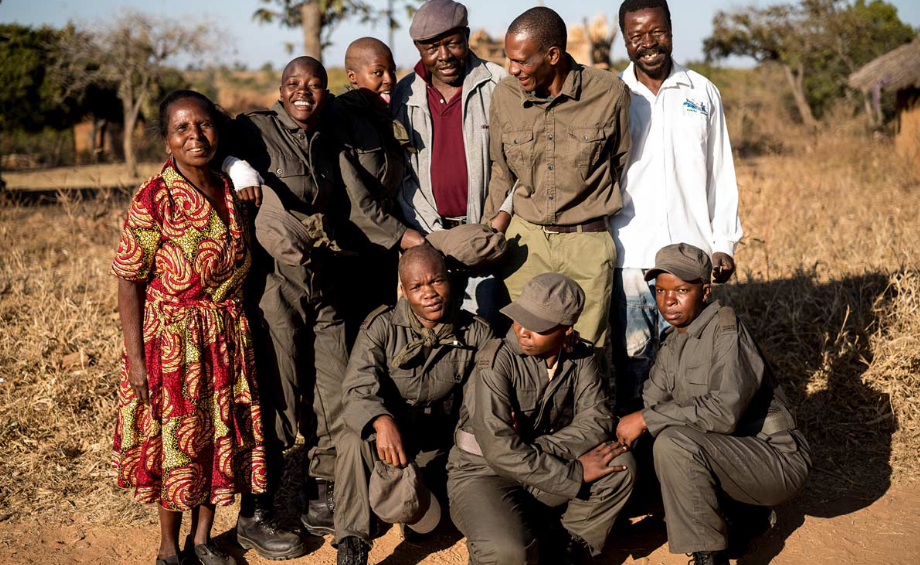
(719, 417)
(402, 393)
(533, 434)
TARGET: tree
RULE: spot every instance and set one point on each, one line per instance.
(131, 55)
(318, 18)
(818, 43)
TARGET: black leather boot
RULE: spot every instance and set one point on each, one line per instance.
(352, 551)
(709, 558)
(317, 516)
(262, 533)
(574, 550)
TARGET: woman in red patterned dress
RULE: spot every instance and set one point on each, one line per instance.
(189, 432)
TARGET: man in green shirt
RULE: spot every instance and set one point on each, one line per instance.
(559, 139)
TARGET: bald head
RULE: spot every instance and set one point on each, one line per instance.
(421, 258)
(305, 65)
(365, 49)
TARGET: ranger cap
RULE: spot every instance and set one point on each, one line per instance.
(684, 261)
(399, 496)
(547, 300)
(436, 17)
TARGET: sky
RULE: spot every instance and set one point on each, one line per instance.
(255, 44)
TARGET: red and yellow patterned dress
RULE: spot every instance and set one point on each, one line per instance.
(200, 439)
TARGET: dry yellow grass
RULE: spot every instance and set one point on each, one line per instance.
(828, 282)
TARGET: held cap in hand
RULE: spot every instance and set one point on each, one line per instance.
(399, 496)
(471, 245)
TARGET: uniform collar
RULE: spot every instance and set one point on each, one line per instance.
(571, 88)
(561, 362)
(695, 329)
(679, 76)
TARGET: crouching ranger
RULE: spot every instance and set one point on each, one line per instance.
(533, 434)
(401, 396)
(718, 415)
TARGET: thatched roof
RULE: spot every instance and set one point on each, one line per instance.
(892, 71)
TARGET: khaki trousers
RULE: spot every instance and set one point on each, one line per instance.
(694, 466)
(588, 258)
(300, 364)
(499, 516)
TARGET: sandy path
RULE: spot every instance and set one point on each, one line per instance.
(843, 530)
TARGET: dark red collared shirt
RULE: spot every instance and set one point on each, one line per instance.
(449, 177)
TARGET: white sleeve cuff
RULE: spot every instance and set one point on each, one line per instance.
(241, 173)
(727, 247)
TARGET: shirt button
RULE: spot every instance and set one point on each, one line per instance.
(550, 167)
(551, 197)
(515, 142)
(550, 137)
(442, 100)
(278, 172)
(585, 138)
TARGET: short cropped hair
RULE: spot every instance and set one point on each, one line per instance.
(636, 5)
(542, 25)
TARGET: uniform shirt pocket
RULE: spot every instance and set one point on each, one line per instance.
(587, 144)
(407, 384)
(518, 149)
(292, 173)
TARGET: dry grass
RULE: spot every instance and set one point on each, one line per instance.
(828, 281)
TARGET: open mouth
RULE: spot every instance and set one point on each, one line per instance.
(449, 71)
(200, 150)
(303, 105)
(385, 96)
(651, 56)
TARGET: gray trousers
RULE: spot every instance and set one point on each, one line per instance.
(355, 460)
(497, 514)
(300, 361)
(694, 467)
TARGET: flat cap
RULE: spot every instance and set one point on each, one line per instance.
(399, 496)
(435, 17)
(471, 245)
(686, 262)
(547, 300)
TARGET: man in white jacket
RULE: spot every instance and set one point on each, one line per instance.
(678, 186)
(444, 105)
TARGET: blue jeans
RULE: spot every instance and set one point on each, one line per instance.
(636, 325)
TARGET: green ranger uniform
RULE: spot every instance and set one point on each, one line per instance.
(300, 337)
(371, 162)
(391, 372)
(518, 441)
(721, 423)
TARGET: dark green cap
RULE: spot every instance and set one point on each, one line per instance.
(684, 261)
(547, 300)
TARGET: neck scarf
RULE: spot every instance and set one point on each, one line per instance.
(441, 334)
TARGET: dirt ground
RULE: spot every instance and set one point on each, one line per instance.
(810, 530)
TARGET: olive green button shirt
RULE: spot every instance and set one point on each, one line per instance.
(712, 377)
(530, 427)
(565, 153)
(373, 388)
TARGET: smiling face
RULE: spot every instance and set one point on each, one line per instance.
(426, 285)
(532, 67)
(445, 56)
(375, 75)
(648, 41)
(303, 91)
(680, 302)
(191, 134)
